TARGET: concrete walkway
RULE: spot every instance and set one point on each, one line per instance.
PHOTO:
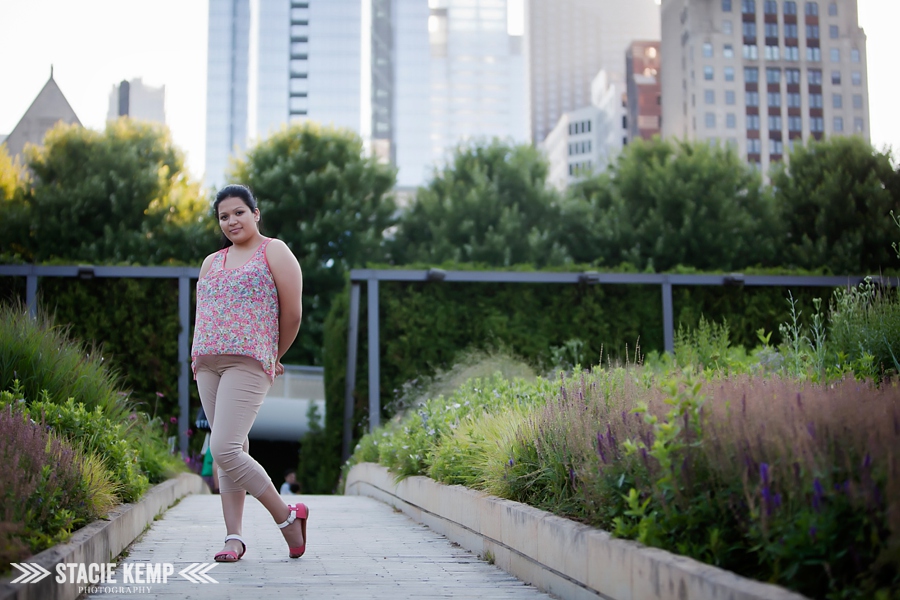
(357, 548)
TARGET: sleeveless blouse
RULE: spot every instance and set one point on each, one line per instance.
(237, 311)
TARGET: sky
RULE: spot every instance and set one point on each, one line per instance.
(94, 44)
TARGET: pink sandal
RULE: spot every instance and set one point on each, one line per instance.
(228, 555)
(300, 511)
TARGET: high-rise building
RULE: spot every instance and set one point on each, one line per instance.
(277, 61)
(460, 73)
(139, 101)
(570, 41)
(763, 74)
(642, 63)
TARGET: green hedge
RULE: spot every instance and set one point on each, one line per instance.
(425, 325)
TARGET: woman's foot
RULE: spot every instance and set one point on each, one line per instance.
(293, 528)
(232, 552)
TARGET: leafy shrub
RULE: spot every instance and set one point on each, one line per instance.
(864, 330)
(95, 433)
(46, 487)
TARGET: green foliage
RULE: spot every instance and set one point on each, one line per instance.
(489, 205)
(329, 204)
(13, 210)
(666, 203)
(118, 196)
(833, 199)
(864, 330)
(45, 490)
(94, 432)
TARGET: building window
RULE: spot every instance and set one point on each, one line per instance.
(790, 7)
(772, 53)
(814, 76)
(770, 7)
(793, 100)
(838, 125)
(754, 146)
(790, 31)
(774, 122)
(729, 97)
(773, 75)
(748, 7)
(857, 101)
(837, 101)
(792, 76)
(727, 29)
(771, 30)
(858, 126)
(752, 98)
(707, 50)
(833, 32)
(816, 124)
(835, 78)
(854, 55)
(776, 147)
(792, 53)
(815, 100)
(708, 73)
(709, 97)
(814, 54)
(812, 8)
(856, 78)
(748, 29)
(729, 73)
(753, 122)
(728, 51)
(812, 31)
(835, 55)
(751, 74)
(795, 124)
(773, 99)
(751, 52)
(832, 9)
(726, 5)
(730, 121)
(710, 120)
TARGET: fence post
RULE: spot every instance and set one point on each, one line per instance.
(31, 294)
(374, 364)
(668, 320)
(184, 317)
(350, 382)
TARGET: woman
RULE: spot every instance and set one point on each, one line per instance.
(248, 315)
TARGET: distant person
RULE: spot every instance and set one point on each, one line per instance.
(248, 315)
(290, 485)
(206, 473)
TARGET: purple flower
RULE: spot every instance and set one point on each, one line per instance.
(160, 395)
(811, 428)
(173, 419)
(799, 402)
(812, 533)
(764, 473)
(511, 462)
(867, 461)
(818, 495)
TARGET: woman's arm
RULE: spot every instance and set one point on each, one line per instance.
(289, 282)
(207, 263)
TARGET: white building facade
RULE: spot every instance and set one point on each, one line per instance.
(137, 100)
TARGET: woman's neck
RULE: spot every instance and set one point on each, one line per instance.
(250, 243)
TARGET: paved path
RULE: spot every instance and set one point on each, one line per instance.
(358, 548)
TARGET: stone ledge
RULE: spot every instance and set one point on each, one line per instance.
(101, 541)
(565, 558)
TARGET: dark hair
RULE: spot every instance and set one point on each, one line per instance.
(233, 191)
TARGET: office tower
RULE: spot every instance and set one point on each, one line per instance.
(277, 61)
(460, 73)
(139, 101)
(570, 41)
(48, 108)
(642, 64)
(763, 74)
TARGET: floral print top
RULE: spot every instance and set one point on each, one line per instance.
(237, 311)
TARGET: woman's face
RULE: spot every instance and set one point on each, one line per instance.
(237, 221)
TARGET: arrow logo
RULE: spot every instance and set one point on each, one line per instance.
(31, 572)
(196, 573)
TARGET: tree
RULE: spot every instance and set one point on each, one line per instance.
(668, 203)
(835, 198)
(490, 205)
(116, 196)
(328, 203)
(13, 211)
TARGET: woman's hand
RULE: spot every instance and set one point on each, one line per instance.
(279, 368)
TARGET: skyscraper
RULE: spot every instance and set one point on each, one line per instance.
(763, 74)
(137, 100)
(570, 41)
(643, 90)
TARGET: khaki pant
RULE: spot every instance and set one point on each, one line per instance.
(232, 388)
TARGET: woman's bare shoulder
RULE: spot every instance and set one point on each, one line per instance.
(207, 263)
